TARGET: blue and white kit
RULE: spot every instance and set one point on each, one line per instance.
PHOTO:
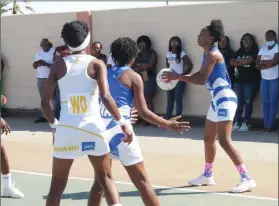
(223, 99)
(123, 96)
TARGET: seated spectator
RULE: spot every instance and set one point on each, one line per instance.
(145, 64)
(227, 52)
(267, 63)
(246, 81)
(179, 61)
(42, 63)
(97, 51)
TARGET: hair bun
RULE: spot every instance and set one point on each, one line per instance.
(218, 29)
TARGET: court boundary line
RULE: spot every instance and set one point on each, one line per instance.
(157, 186)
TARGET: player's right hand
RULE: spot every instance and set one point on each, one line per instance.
(3, 99)
(176, 126)
(129, 135)
(5, 127)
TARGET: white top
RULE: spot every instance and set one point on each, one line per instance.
(110, 61)
(177, 67)
(43, 71)
(79, 95)
(271, 73)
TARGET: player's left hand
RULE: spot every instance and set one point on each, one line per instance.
(3, 99)
(134, 116)
(170, 76)
(5, 127)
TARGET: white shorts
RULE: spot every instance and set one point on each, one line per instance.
(71, 142)
(127, 154)
(224, 112)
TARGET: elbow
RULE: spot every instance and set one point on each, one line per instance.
(143, 113)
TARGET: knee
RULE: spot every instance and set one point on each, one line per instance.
(141, 182)
(224, 143)
(208, 140)
(103, 177)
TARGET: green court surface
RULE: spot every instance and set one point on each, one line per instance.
(35, 187)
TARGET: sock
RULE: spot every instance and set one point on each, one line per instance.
(208, 169)
(242, 171)
(7, 180)
(117, 205)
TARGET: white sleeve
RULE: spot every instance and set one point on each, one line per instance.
(110, 60)
(37, 57)
(261, 51)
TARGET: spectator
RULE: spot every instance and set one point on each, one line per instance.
(145, 64)
(267, 63)
(97, 51)
(227, 52)
(60, 51)
(177, 60)
(247, 80)
(110, 62)
(42, 63)
(2, 66)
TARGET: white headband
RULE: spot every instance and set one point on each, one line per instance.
(82, 46)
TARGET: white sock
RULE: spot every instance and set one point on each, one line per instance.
(117, 205)
(7, 180)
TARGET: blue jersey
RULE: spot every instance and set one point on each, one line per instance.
(122, 95)
(218, 83)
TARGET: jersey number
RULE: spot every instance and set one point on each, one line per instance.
(78, 104)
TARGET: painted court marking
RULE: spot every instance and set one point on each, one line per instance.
(157, 186)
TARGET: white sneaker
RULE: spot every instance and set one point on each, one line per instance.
(202, 180)
(12, 192)
(235, 127)
(244, 185)
(244, 128)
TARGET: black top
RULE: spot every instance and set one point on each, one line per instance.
(247, 74)
(143, 58)
(102, 57)
(2, 65)
(228, 55)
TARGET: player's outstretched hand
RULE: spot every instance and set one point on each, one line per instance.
(3, 99)
(129, 135)
(5, 127)
(176, 126)
(170, 76)
(134, 116)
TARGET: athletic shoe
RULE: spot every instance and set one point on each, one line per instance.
(244, 185)
(235, 127)
(244, 128)
(202, 180)
(12, 192)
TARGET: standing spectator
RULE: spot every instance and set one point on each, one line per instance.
(110, 62)
(2, 66)
(267, 63)
(42, 63)
(97, 51)
(60, 52)
(177, 60)
(225, 48)
(145, 64)
(247, 80)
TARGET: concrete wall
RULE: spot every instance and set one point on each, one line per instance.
(20, 36)
(20, 40)
(186, 22)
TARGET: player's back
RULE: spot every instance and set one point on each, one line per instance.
(122, 95)
(79, 94)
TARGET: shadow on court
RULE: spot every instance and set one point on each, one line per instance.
(36, 186)
(195, 133)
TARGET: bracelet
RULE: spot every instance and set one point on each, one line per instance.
(121, 122)
(54, 124)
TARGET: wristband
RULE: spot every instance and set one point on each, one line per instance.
(54, 124)
(121, 122)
